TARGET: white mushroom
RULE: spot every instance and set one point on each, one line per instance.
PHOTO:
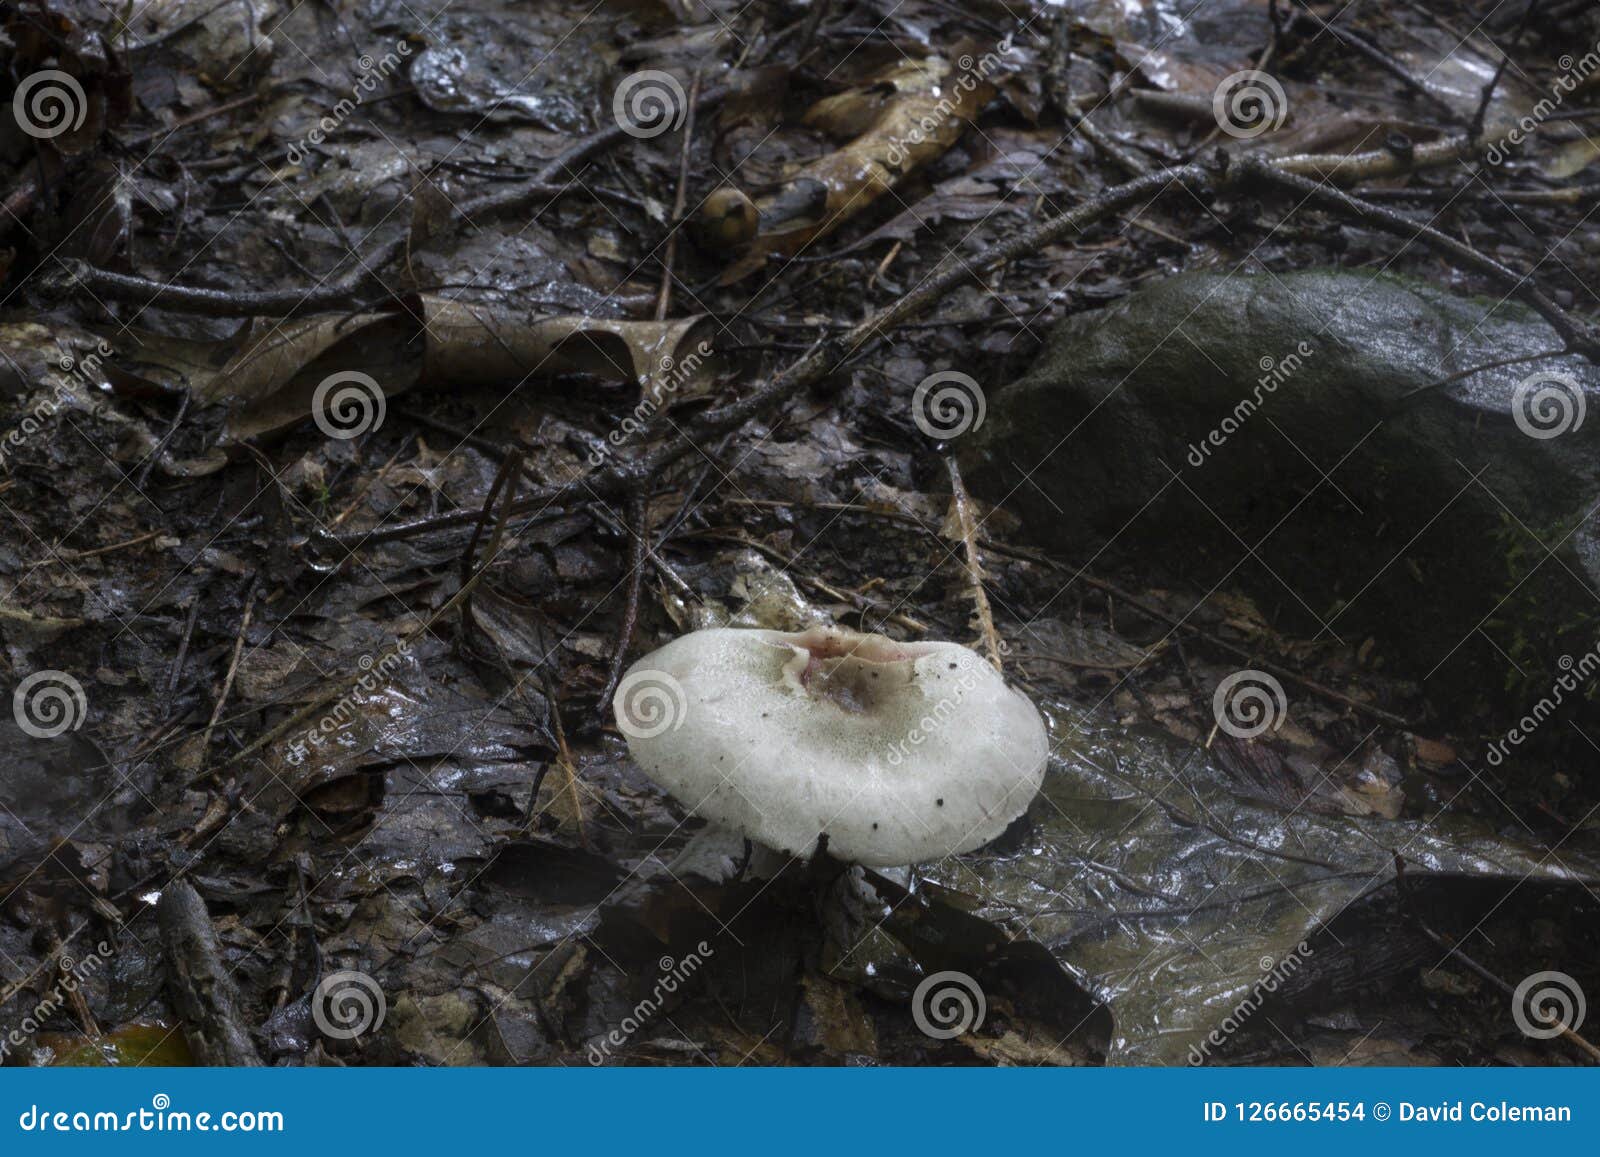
(897, 752)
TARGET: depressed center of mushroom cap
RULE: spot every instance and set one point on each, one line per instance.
(898, 752)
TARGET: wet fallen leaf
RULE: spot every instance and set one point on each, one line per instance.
(132, 1045)
(275, 370)
(907, 117)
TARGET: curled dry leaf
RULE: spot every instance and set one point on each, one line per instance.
(907, 117)
(272, 369)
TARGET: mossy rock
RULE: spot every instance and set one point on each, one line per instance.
(1265, 431)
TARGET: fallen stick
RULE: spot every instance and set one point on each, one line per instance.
(828, 354)
(548, 183)
(1577, 336)
(1035, 558)
(200, 985)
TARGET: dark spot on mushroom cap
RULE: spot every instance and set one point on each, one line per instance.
(952, 666)
(874, 827)
(940, 802)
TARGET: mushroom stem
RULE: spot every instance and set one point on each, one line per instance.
(715, 854)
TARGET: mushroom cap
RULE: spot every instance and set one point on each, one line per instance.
(897, 752)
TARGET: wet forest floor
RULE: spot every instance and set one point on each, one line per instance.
(378, 380)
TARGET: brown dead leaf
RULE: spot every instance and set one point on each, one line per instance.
(273, 370)
(832, 1019)
(905, 118)
(1433, 751)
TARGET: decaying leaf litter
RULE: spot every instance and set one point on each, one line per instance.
(354, 690)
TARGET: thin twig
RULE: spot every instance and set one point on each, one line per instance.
(669, 256)
(638, 552)
(1452, 948)
(967, 525)
(510, 471)
(161, 447)
(1499, 363)
(1280, 27)
(1476, 129)
(310, 710)
(1573, 332)
(1077, 119)
(1078, 574)
(548, 183)
(80, 555)
(233, 662)
(1379, 57)
(830, 353)
(183, 647)
(603, 516)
